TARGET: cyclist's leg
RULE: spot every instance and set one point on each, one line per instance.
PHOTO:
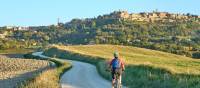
(113, 77)
(120, 78)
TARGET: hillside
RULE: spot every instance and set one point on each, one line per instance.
(138, 56)
(174, 35)
(144, 67)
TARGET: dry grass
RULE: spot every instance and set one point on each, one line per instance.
(14, 71)
(10, 68)
(49, 78)
(16, 51)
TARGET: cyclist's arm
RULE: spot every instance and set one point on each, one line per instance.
(122, 64)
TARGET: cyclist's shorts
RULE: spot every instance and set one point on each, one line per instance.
(115, 71)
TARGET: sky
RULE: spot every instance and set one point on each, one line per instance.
(46, 12)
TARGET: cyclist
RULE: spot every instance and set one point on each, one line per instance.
(117, 66)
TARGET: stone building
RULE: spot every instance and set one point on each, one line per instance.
(150, 16)
(124, 14)
(163, 14)
(120, 14)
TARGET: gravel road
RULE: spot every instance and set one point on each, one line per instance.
(81, 75)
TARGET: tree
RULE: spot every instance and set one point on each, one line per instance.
(196, 55)
(93, 24)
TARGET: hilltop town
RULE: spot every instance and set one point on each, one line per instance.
(154, 16)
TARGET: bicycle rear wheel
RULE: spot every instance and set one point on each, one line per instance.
(117, 81)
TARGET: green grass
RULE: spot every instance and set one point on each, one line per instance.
(49, 78)
(144, 68)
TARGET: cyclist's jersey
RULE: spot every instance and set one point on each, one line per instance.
(117, 63)
(116, 69)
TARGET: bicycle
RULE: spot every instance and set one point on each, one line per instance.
(117, 83)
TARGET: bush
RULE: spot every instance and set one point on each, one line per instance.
(196, 55)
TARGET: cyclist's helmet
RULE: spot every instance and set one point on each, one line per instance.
(116, 54)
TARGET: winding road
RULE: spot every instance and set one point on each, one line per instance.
(81, 75)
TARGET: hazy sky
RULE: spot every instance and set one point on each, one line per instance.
(46, 12)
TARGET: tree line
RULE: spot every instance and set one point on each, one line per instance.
(181, 38)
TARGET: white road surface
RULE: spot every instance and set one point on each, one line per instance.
(81, 75)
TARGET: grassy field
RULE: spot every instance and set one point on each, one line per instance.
(49, 78)
(16, 51)
(13, 71)
(144, 68)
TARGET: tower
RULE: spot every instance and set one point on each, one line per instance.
(58, 21)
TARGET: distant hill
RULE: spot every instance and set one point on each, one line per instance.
(154, 16)
(169, 32)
